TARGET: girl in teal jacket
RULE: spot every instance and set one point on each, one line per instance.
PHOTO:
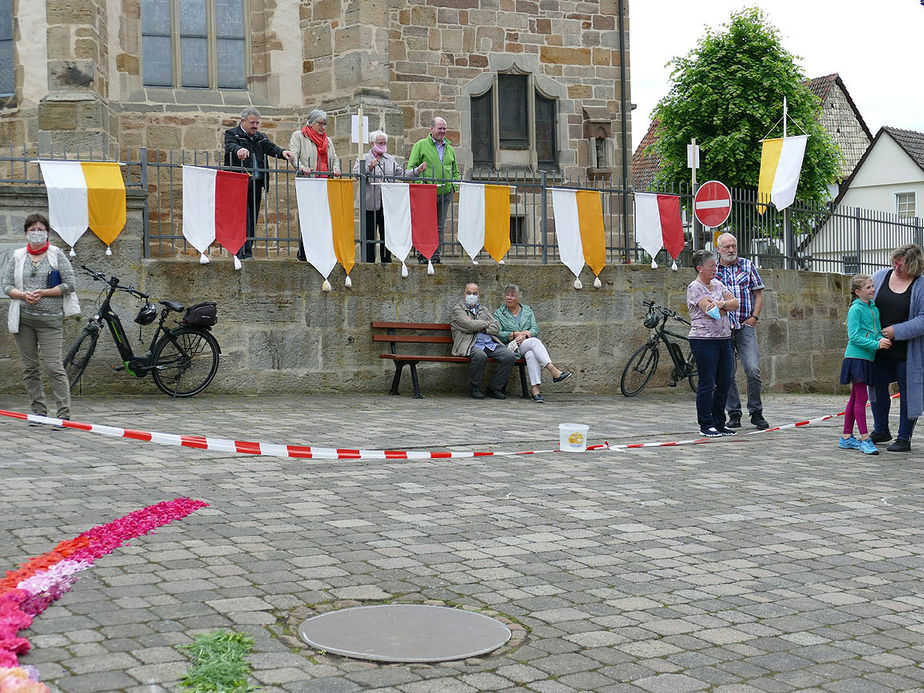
(864, 338)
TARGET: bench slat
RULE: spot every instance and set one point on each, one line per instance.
(413, 338)
(410, 325)
(411, 357)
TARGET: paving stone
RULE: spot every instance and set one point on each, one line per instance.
(759, 564)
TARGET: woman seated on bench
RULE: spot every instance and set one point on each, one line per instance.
(519, 329)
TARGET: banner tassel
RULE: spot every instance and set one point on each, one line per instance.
(474, 261)
(403, 269)
(237, 263)
(348, 283)
(674, 266)
(501, 262)
(429, 267)
(577, 284)
(597, 283)
(203, 259)
(325, 286)
(654, 265)
(108, 250)
(72, 253)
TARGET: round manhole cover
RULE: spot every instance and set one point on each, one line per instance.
(404, 633)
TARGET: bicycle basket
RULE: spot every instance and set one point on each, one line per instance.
(201, 315)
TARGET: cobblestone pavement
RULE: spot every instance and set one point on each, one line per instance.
(770, 562)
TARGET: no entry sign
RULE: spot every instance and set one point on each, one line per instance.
(712, 204)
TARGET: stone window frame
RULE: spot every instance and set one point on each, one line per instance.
(8, 45)
(906, 204)
(546, 86)
(177, 92)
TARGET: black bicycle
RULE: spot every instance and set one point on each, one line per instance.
(182, 360)
(644, 362)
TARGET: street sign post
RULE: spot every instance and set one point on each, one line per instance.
(712, 204)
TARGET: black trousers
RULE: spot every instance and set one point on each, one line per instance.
(504, 359)
(254, 200)
(375, 219)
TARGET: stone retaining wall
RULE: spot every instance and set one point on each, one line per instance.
(280, 333)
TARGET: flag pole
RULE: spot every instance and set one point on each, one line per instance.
(787, 221)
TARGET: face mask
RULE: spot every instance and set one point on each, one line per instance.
(36, 237)
(714, 313)
(471, 299)
(379, 148)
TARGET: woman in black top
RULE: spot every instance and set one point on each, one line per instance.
(900, 299)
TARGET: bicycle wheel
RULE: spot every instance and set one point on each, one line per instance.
(75, 363)
(184, 362)
(692, 373)
(642, 365)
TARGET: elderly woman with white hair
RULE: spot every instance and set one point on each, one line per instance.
(314, 153)
(378, 166)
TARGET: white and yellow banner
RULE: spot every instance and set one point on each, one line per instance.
(780, 166)
(580, 232)
(84, 194)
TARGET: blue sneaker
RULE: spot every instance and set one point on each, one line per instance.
(867, 447)
(850, 443)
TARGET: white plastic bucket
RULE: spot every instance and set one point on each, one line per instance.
(572, 437)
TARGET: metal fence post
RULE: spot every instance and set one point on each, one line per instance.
(859, 242)
(544, 219)
(145, 224)
(918, 231)
(788, 259)
(363, 247)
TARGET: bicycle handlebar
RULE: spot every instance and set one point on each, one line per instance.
(113, 282)
(667, 312)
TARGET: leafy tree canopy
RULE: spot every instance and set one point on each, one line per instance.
(727, 93)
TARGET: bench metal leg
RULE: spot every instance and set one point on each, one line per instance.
(397, 379)
(524, 390)
(416, 382)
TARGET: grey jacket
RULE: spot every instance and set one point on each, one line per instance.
(912, 331)
(465, 328)
(386, 170)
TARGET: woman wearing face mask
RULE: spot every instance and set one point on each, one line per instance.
(709, 303)
(40, 280)
(378, 166)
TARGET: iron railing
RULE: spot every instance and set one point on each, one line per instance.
(807, 236)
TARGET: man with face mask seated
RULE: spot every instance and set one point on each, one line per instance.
(474, 334)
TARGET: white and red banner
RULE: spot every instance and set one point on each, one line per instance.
(214, 209)
(658, 225)
(410, 220)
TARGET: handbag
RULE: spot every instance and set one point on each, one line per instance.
(54, 278)
(514, 347)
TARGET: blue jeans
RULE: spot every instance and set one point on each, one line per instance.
(714, 365)
(744, 341)
(885, 372)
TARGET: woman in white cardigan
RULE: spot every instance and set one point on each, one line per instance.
(40, 281)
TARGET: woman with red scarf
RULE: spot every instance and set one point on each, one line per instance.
(40, 281)
(314, 152)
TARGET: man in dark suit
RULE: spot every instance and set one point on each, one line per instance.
(246, 147)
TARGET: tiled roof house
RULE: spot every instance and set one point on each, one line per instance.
(840, 117)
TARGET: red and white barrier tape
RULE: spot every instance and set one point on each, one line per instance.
(305, 452)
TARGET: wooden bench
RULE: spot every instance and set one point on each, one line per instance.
(396, 333)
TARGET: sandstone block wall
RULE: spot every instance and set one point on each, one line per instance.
(280, 332)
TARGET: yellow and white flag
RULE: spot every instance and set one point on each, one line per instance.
(325, 217)
(85, 194)
(580, 232)
(780, 166)
(484, 219)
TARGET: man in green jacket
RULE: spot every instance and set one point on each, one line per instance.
(435, 154)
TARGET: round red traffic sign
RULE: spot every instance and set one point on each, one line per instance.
(712, 204)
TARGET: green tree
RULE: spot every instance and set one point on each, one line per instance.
(727, 93)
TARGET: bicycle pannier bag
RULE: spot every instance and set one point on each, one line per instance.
(201, 315)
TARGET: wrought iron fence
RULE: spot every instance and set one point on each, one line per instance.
(816, 237)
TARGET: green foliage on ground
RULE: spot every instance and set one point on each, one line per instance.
(219, 663)
(728, 93)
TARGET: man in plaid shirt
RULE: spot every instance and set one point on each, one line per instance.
(741, 278)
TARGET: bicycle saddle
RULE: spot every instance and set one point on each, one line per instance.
(173, 305)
